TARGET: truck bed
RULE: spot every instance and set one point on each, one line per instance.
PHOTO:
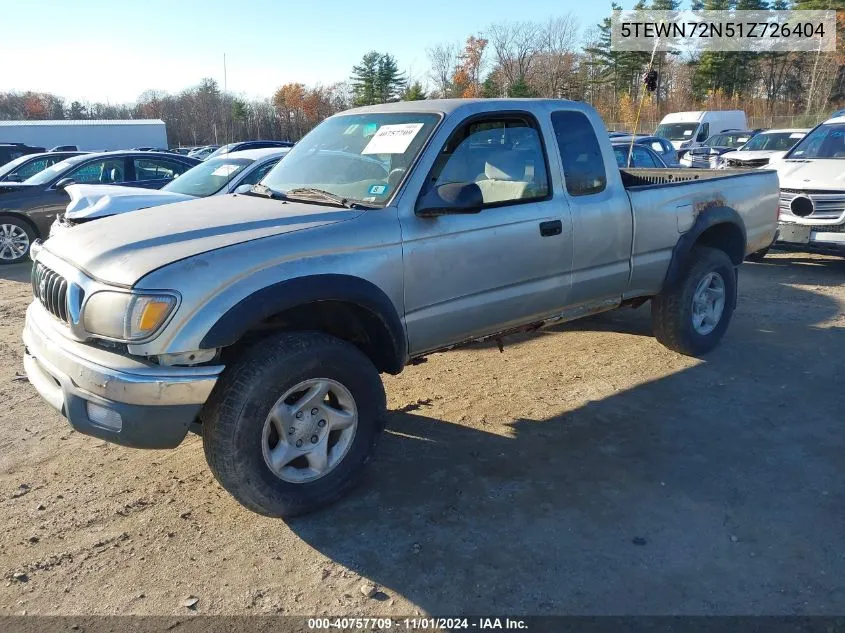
(640, 178)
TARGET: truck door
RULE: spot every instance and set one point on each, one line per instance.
(601, 212)
(474, 274)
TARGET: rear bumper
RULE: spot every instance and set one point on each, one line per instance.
(111, 396)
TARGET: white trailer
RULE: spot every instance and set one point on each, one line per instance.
(90, 135)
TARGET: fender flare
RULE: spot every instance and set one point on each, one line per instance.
(281, 296)
(707, 219)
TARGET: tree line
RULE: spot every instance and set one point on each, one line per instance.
(555, 58)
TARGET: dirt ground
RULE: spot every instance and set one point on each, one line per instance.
(584, 470)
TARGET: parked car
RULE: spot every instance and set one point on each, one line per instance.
(642, 156)
(241, 146)
(812, 190)
(763, 148)
(708, 155)
(289, 301)
(656, 144)
(28, 209)
(237, 171)
(11, 151)
(201, 153)
(28, 165)
(65, 148)
(690, 129)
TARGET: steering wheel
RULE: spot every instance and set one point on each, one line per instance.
(395, 176)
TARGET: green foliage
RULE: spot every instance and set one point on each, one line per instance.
(414, 92)
(376, 79)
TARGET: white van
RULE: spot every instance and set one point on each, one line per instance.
(688, 129)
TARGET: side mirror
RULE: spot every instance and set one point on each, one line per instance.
(64, 182)
(243, 189)
(450, 199)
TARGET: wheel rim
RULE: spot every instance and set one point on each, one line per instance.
(708, 303)
(14, 242)
(309, 430)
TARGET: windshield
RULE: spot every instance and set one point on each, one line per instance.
(676, 131)
(209, 177)
(360, 157)
(43, 177)
(9, 167)
(826, 141)
(772, 141)
(223, 149)
(733, 141)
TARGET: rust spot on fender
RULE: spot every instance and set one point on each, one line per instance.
(701, 206)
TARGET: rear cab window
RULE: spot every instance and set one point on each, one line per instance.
(580, 153)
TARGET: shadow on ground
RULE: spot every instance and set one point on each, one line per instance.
(16, 272)
(716, 490)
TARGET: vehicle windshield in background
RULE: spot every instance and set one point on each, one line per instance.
(776, 142)
(209, 177)
(734, 141)
(360, 157)
(223, 149)
(826, 141)
(8, 168)
(43, 177)
(676, 131)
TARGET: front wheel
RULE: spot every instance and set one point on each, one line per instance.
(291, 426)
(692, 317)
(16, 236)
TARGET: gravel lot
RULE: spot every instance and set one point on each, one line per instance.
(585, 470)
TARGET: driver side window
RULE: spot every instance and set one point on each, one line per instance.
(107, 171)
(703, 133)
(504, 156)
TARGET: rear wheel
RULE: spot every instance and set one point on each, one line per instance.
(692, 317)
(16, 236)
(291, 426)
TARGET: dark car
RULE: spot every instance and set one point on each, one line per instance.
(244, 145)
(64, 148)
(641, 156)
(11, 151)
(27, 209)
(28, 165)
(657, 144)
(708, 154)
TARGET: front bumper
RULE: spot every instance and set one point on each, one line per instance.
(819, 236)
(155, 404)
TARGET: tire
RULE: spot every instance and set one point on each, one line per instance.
(759, 256)
(235, 422)
(14, 234)
(672, 311)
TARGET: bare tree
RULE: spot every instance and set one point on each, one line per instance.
(557, 42)
(443, 59)
(515, 46)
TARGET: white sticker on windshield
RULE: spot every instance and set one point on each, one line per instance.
(687, 132)
(225, 170)
(392, 139)
(742, 139)
(797, 135)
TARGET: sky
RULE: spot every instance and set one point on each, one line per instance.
(111, 51)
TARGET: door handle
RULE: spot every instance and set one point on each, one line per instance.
(552, 227)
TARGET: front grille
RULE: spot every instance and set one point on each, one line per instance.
(827, 205)
(50, 289)
(757, 162)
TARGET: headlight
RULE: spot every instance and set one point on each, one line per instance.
(126, 317)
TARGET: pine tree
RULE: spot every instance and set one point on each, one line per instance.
(364, 80)
(389, 81)
(414, 92)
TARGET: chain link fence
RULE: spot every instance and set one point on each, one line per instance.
(767, 122)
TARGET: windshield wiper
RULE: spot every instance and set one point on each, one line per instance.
(266, 192)
(321, 194)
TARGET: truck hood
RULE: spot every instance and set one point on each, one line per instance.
(96, 201)
(817, 173)
(121, 249)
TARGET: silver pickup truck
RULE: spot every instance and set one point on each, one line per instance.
(262, 320)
